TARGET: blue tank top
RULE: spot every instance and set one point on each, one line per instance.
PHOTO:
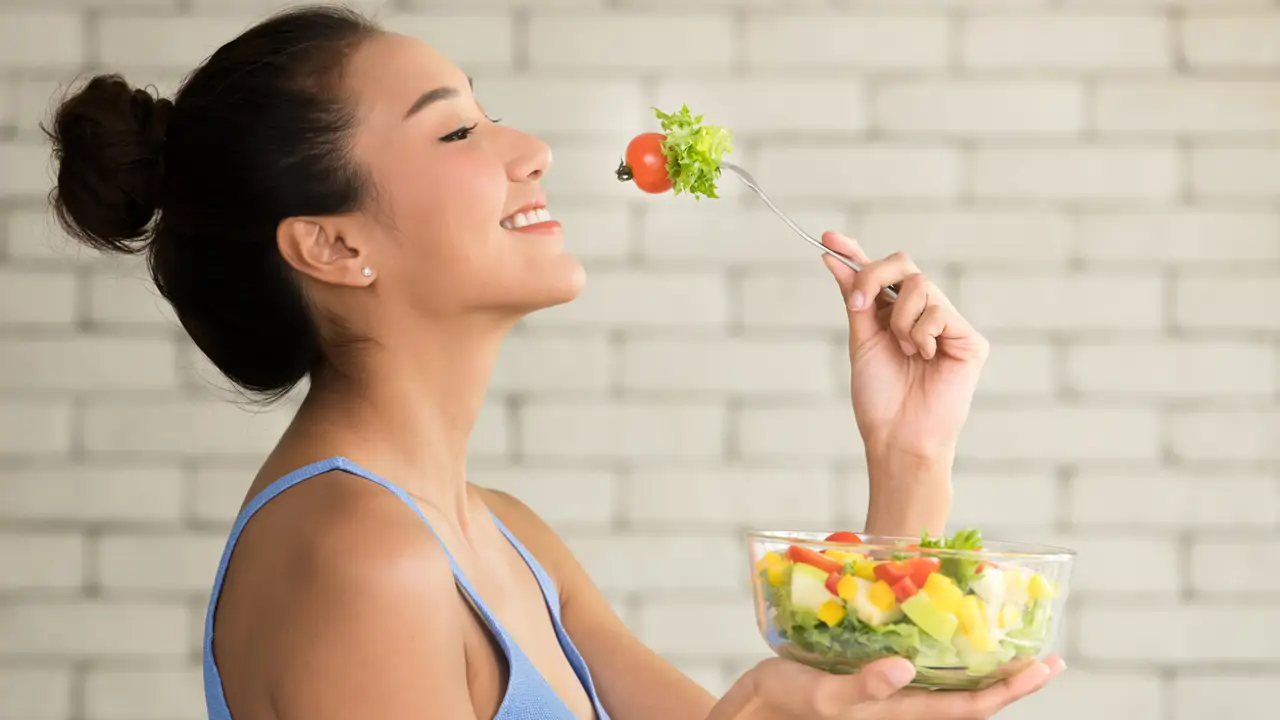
(528, 696)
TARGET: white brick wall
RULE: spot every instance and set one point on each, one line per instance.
(1094, 182)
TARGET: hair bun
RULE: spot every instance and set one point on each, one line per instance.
(108, 142)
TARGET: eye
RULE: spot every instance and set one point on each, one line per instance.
(461, 133)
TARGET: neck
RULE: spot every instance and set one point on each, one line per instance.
(410, 409)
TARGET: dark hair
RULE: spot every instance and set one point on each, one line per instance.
(260, 132)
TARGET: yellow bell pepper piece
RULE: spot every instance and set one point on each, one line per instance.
(847, 588)
(844, 556)
(881, 595)
(1010, 617)
(943, 591)
(1040, 588)
(970, 614)
(831, 613)
(774, 566)
(865, 569)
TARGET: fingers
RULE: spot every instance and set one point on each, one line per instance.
(874, 681)
(792, 690)
(986, 703)
(878, 275)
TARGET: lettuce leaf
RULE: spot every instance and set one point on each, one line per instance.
(961, 570)
(693, 152)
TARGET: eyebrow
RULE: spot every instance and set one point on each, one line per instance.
(434, 96)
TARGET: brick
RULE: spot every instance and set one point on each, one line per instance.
(741, 366)
(91, 493)
(40, 41)
(1248, 303)
(8, 103)
(176, 427)
(491, 435)
(1174, 369)
(767, 105)
(723, 626)
(731, 497)
(163, 42)
(27, 169)
(1222, 696)
(36, 236)
(563, 497)
(87, 363)
(125, 294)
(595, 233)
(1145, 108)
(257, 8)
(1183, 236)
(550, 363)
(813, 431)
(872, 172)
(576, 106)
(1248, 42)
(1004, 499)
(35, 692)
(865, 42)
(634, 430)
(34, 428)
(1044, 302)
(41, 561)
(1019, 370)
(217, 493)
(1104, 566)
(98, 630)
(1140, 633)
(144, 694)
(1100, 694)
(115, 5)
(625, 41)
(1082, 173)
(799, 301)
(35, 103)
(1225, 434)
(1064, 432)
(729, 236)
(659, 562)
(979, 108)
(1236, 567)
(30, 297)
(630, 298)
(165, 562)
(1235, 172)
(506, 4)
(1133, 499)
(1066, 42)
(992, 238)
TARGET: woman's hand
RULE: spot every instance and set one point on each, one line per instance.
(915, 364)
(779, 689)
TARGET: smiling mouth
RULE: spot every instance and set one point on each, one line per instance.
(525, 218)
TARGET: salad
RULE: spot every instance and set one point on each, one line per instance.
(960, 620)
(684, 157)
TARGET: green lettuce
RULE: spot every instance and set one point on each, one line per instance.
(693, 152)
(961, 570)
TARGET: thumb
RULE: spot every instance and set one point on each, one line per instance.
(862, 322)
(874, 681)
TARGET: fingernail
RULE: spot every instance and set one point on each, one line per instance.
(900, 673)
(857, 299)
(907, 347)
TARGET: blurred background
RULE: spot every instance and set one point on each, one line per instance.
(1095, 183)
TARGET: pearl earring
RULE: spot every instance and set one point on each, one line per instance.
(367, 272)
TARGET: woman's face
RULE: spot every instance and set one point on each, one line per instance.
(455, 211)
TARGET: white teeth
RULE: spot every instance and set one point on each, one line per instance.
(522, 219)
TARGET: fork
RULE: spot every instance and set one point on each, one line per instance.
(890, 292)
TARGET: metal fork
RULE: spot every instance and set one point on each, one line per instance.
(890, 292)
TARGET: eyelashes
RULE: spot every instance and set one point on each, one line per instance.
(465, 131)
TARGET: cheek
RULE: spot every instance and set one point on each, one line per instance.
(449, 206)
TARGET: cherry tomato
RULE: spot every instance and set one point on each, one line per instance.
(845, 537)
(904, 589)
(833, 582)
(646, 163)
(919, 569)
(814, 558)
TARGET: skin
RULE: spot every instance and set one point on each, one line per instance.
(339, 603)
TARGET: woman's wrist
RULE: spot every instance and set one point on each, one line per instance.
(910, 492)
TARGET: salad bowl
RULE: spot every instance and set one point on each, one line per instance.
(965, 612)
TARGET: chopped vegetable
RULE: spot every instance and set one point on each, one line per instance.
(684, 158)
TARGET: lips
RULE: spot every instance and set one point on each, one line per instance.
(526, 217)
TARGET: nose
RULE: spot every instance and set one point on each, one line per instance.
(531, 159)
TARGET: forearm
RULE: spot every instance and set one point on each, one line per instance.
(908, 494)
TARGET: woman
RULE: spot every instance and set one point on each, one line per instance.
(328, 201)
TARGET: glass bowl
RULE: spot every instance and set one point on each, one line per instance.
(965, 618)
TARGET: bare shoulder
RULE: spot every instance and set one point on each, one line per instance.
(541, 539)
(357, 605)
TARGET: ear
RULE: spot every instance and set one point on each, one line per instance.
(319, 248)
